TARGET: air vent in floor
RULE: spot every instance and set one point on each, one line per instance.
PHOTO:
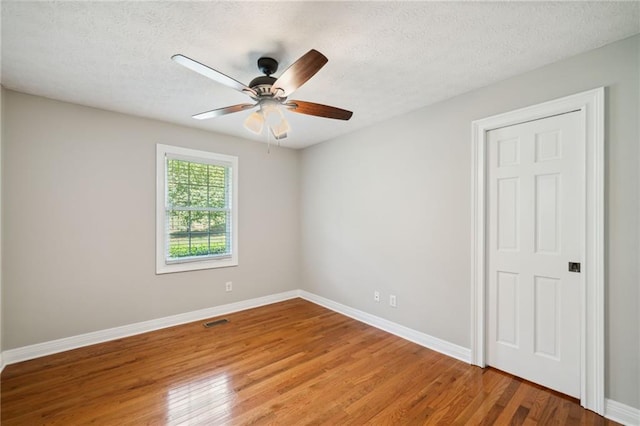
(215, 322)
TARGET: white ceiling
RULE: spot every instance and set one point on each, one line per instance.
(385, 58)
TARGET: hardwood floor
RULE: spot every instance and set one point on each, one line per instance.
(288, 363)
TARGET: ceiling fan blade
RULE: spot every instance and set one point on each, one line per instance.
(222, 111)
(214, 75)
(299, 72)
(319, 110)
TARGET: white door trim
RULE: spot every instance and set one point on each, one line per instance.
(591, 105)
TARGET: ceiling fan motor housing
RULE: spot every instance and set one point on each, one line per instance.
(262, 85)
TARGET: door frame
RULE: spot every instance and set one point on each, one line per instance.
(592, 349)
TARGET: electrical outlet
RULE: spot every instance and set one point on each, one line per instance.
(392, 300)
(376, 296)
(228, 286)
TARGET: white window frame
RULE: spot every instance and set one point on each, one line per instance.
(163, 266)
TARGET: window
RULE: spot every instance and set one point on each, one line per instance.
(196, 210)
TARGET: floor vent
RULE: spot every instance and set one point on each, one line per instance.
(216, 322)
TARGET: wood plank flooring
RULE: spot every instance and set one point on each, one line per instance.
(290, 363)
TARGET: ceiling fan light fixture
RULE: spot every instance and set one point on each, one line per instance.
(254, 122)
(278, 136)
(270, 113)
(281, 129)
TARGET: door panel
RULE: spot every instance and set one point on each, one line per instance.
(547, 214)
(507, 293)
(507, 224)
(536, 226)
(546, 322)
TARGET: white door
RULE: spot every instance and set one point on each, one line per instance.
(536, 211)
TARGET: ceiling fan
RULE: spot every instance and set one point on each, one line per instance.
(270, 94)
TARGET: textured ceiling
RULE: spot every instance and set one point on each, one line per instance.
(385, 58)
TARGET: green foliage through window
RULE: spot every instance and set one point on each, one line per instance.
(198, 209)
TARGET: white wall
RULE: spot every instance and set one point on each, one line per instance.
(388, 208)
(79, 221)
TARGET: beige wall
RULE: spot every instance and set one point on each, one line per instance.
(1, 204)
(79, 221)
(388, 208)
(385, 208)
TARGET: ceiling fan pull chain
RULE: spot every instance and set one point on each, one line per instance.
(268, 140)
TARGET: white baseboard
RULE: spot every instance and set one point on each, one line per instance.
(621, 413)
(422, 339)
(25, 353)
(614, 410)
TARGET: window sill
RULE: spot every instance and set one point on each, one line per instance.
(195, 265)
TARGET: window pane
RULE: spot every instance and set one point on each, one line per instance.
(192, 184)
(178, 229)
(200, 222)
(219, 223)
(178, 194)
(178, 221)
(177, 171)
(192, 232)
(198, 174)
(199, 244)
(219, 244)
(198, 233)
(220, 232)
(217, 186)
(198, 195)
